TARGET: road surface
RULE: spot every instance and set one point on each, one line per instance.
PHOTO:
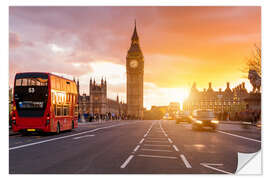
(144, 147)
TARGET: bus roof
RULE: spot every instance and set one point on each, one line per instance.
(49, 74)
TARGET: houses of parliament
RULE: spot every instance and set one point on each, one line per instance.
(97, 101)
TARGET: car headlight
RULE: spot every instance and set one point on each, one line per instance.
(214, 121)
(199, 122)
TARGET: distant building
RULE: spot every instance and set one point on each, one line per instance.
(155, 113)
(163, 109)
(97, 101)
(219, 101)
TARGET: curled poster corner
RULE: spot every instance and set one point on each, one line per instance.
(249, 163)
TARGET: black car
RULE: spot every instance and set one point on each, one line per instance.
(203, 118)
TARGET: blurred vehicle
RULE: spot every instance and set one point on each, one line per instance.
(167, 117)
(183, 116)
(179, 117)
(187, 117)
(203, 118)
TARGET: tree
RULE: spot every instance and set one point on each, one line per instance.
(254, 61)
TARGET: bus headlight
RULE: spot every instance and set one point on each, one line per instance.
(214, 121)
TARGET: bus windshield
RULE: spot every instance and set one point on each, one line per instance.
(31, 81)
(31, 93)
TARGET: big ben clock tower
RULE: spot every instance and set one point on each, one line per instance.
(135, 71)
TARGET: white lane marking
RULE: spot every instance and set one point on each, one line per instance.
(151, 137)
(185, 161)
(141, 141)
(208, 165)
(174, 146)
(159, 150)
(63, 137)
(146, 134)
(156, 141)
(90, 135)
(136, 148)
(255, 140)
(169, 139)
(166, 157)
(156, 138)
(127, 161)
(156, 145)
(166, 135)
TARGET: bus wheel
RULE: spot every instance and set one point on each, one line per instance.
(58, 129)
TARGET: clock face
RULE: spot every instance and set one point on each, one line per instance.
(133, 63)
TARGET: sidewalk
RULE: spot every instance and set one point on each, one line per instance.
(97, 122)
(230, 122)
(240, 123)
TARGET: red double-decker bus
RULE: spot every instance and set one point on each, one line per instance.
(44, 102)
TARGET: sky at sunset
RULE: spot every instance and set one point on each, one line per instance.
(181, 45)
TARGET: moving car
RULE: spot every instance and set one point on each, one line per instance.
(167, 117)
(179, 117)
(183, 116)
(203, 118)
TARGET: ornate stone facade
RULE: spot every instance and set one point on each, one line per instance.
(97, 101)
(135, 72)
(219, 101)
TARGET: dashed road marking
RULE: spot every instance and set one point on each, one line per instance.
(136, 148)
(156, 138)
(169, 139)
(209, 165)
(159, 150)
(185, 161)
(141, 141)
(127, 161)
(156, 141)
(90, 135)
(174, 146)
(166, 157)
(156, 145)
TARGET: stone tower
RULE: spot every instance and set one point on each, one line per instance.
(98, 96)
(135, 71)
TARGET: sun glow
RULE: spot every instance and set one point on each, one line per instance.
(156, 96)
(176, 95)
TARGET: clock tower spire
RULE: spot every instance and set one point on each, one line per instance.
(135, 71)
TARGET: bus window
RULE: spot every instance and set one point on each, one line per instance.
(66, 110)
(63, 85)
(32, 82)
(55, 112)
(57, 81)
(18, 82)
(24, 82)
(59, 110)
(68, 86)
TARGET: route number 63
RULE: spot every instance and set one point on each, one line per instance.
(31, 90)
